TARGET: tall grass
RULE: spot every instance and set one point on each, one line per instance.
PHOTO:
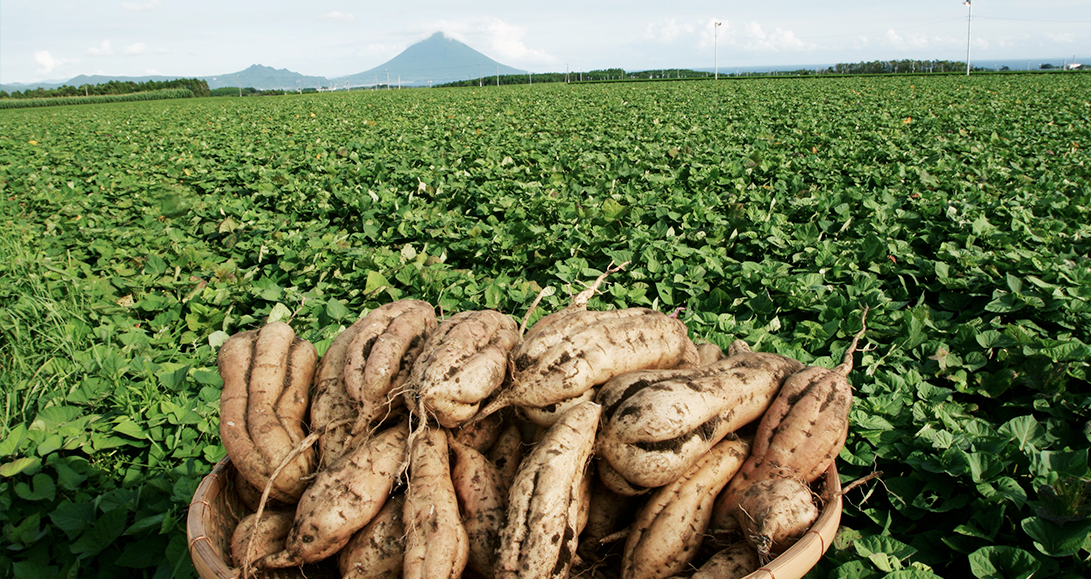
(42, 328)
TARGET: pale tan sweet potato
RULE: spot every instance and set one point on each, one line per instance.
(268, 535)
(343, 498)
(480, 435)
(266, 373)
(669, 529)
(461, 364)
(774, 513)
(377, 550)
(734, 562)
(436, 543)
(540, 534)
(608, 344)
(658, 425)
(507, 452)
(709, 353)
(482, 497)
(800, 435)
(381, 356)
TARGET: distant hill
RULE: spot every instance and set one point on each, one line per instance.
(266, 78)
(436, 59)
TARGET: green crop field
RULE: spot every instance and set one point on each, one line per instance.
(137, 236)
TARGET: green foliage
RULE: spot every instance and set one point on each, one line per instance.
(143, 234)
(167, 93)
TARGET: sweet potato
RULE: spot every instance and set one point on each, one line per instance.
(461, 364)
(539, 536)
(267, 376)
(800, 435)
(547, 415)
(377, 550)
(587, 354)
(268, 535)
(669, 528)
(657, 426)
(343, 498)
(381, 356)
(709, 353)
(331, 403)
(774, 513)
(608, 512)
(480, 435)
(436, 543)
(482, 497)
(507, 452)
(734, 562)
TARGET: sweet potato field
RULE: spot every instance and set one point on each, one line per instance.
(137, 237)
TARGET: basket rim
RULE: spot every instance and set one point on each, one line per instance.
(206, 558)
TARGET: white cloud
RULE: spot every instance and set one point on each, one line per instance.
(337, 17)
(134, 49)
(668, 31)
(47, 63)
(146, 7)
(103, 49)
(1065, 37)
(499, 39)
(153, 72)
(754, 38)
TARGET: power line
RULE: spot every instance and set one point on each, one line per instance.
(1030, 20)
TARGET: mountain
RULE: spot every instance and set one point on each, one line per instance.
(437, 59)
(265, 78)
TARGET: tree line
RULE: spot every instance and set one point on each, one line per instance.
(195, 85)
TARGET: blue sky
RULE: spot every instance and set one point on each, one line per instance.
(51, 39)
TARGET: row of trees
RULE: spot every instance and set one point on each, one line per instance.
(195, 85)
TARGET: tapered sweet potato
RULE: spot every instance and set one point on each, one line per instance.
(436, 543)
(540, 534)
(482, 497)
(774, 513)
(656, 424)
(596, 347)
(669, 528)
(800, 435)
(268, 536)
(377, 550)
(343, 498)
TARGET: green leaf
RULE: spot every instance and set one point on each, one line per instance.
(1025, 430)
(375, 283)
(1055, 539)
(337, 310)
(130, 428)
(42, 488)
(20, 465)
(143, 553)
(279, 313)
(14, 440)
(101, 534)
(1003, 562)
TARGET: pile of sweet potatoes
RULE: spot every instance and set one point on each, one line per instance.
(597, 444)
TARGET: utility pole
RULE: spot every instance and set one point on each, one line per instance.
(716, 48)
(969, 21)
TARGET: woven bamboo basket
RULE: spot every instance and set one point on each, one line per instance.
(216, 509)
